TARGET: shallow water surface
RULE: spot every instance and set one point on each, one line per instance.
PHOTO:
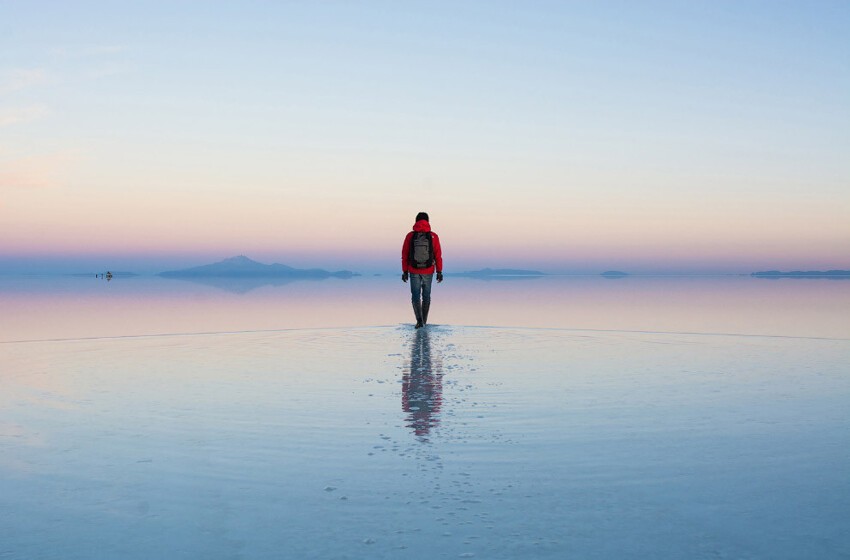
(37, 308)
(385, 442)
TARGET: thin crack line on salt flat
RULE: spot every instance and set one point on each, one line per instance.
(368, 327)
(199, 333)
(688, 333)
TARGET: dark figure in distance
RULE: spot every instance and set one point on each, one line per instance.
(421, 255)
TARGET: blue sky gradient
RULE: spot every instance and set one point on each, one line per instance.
(696, 136)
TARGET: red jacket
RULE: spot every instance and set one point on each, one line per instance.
(421, 225)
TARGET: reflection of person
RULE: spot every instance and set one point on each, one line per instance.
(421, 255)
(422, 386)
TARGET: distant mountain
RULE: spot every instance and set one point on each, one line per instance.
(803, 274)
(614, 274)
(499, 272)
(243, 267)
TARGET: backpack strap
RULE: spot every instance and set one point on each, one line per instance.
(410, 249)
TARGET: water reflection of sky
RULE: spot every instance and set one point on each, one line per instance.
(74, 307)
(143, 445)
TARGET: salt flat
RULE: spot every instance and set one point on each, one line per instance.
(385, 442)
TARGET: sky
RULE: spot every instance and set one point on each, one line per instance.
(564, 136)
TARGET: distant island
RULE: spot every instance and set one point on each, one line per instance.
(803, 274)
(614, 274)
(116, 274)
(499, 272)
(243, 267)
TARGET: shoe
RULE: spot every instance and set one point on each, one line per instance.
(417, 311)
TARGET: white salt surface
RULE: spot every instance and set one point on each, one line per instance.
(452, 442)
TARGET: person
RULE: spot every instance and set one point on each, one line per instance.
(421, 255)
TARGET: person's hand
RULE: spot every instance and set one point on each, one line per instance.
(439, 277)
(404, 277)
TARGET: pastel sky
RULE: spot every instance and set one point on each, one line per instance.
(565, 136)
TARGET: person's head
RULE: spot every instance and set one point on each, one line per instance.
(422, 216)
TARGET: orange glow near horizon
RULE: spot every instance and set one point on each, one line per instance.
(56, 224)
(543, 223)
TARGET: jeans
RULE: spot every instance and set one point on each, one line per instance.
(420, 288)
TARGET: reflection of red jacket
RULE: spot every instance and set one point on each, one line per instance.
(421, 225)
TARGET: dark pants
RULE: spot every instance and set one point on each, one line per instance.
(420, 288)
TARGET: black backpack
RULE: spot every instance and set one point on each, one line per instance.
(421, 250)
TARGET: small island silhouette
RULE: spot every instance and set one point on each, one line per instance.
(116, 274)
(838, 274)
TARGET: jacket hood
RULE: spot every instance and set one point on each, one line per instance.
(422, 225)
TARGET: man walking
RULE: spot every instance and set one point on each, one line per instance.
(420, 256)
